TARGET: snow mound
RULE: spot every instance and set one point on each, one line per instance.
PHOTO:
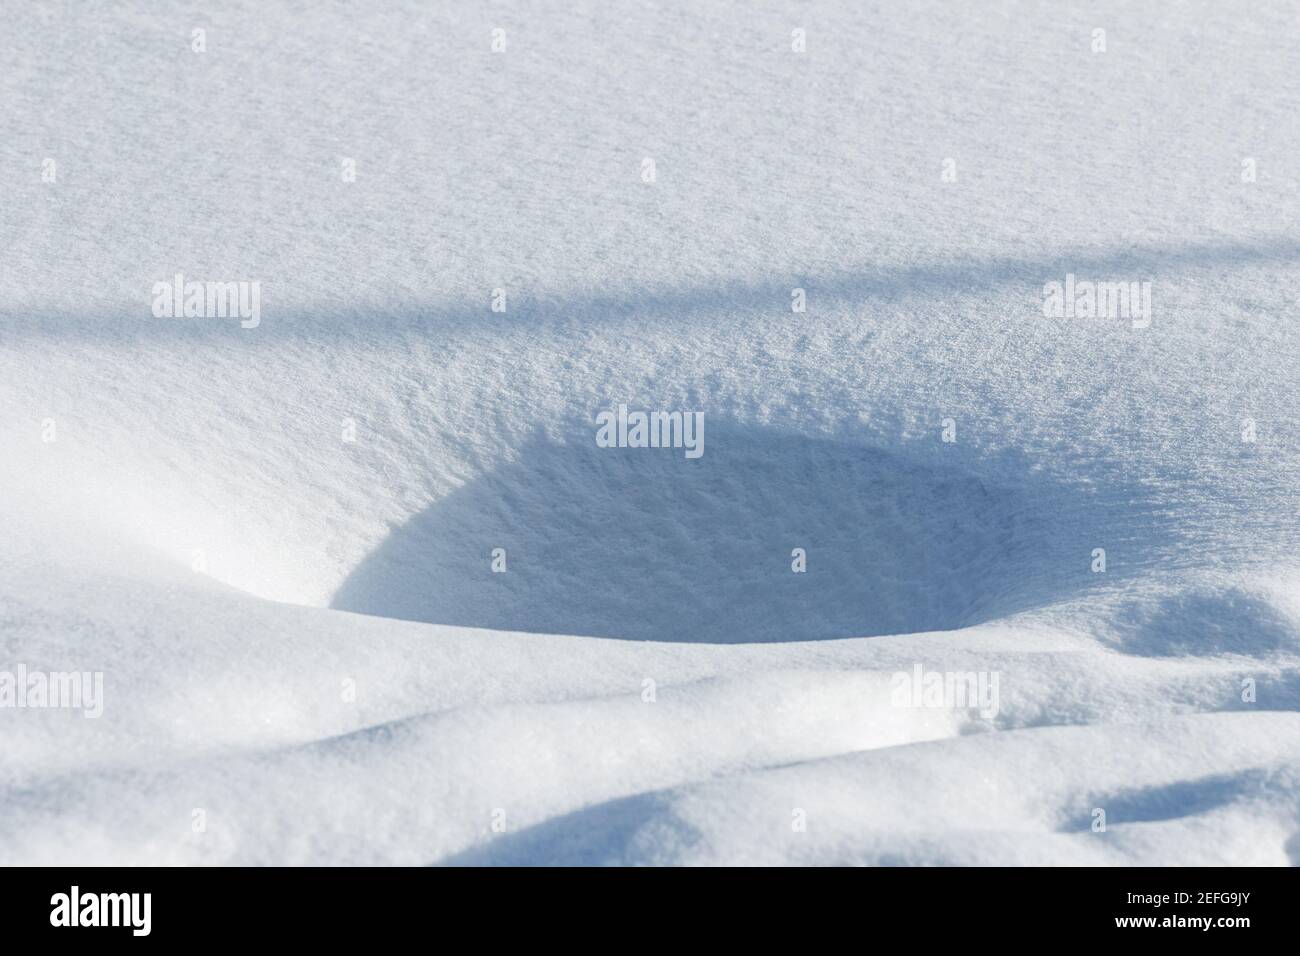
(275, 544)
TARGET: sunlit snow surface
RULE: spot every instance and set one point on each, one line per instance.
(344, 679)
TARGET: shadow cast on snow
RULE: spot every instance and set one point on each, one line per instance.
(380, 313)
(645, 544)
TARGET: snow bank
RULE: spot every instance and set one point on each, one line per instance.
(275, 544)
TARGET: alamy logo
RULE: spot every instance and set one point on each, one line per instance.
(72, 690)
(651, 430)
(208, 300)
(1076, 299)
(103, 909)
(950, 690)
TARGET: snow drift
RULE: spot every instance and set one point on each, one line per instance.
(275, 543)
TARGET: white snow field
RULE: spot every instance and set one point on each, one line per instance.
(275, 543)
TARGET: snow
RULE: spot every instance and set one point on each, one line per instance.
(306, 655)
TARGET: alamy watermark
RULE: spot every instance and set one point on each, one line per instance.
(1080, 299)
(948, 690)
(130, 910)
(626, 429)
(70, 690)
(208, 300)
